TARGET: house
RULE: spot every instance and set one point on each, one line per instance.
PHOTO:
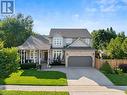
(72, 46)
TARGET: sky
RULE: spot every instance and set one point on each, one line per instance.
(90, 14)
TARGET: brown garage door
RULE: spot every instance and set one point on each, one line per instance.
(80, 61)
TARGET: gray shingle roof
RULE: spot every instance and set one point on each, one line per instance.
(36, 42)
(79, 48)
(70, 32)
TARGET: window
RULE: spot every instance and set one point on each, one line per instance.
(57, 41)
(57, 53)
(32, 54)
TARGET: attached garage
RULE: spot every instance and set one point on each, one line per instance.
(80, 61)
(79, 58)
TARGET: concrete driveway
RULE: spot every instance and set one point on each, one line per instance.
(84, 76)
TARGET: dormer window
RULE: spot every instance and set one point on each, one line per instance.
(57, 41)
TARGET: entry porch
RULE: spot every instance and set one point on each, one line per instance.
(34, 56)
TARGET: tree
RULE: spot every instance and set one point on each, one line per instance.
(16, 29)
(122, 35)
(124, 46)
(102, 37)
(114, 48)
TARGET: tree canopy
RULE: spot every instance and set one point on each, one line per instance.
(14, 30)
(102, 37)
(113, 45)
(114, 48)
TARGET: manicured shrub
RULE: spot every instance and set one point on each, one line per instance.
(28, 66)
(123, 67)
(106, 68)
(118, 71)
(9, 61)
(56, 61)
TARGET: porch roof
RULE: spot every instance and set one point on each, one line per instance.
(37, 42)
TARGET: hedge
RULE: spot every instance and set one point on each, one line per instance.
(9, 61)
(28, 65)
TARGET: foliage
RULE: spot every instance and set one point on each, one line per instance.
(120, 80)
(9, 61)
(102, 37)
(1, 44)
(123, 67)
(114, 49)
(106, 68)
(118, 71)
(12, 92)
(34, 77)
(57, 61)
(121, 35)
(28, 65)
(124, 46)
(14, 30)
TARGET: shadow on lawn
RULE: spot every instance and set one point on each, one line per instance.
(2, 86)
(44, 74)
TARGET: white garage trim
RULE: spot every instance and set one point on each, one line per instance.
(79, 53)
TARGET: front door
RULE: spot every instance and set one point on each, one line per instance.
(45, 56)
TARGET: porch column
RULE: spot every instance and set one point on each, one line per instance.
(34, 55)
(24, 56)
(21, 56)
(39, 56)
(48, 59)
(30, 55)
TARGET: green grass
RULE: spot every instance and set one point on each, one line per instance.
(118, 79)
(8, 92)
(33, 77)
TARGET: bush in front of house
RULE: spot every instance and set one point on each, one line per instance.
(57, 61)
(123, 67)
(9, 61)
(28, 66)
(118, 71)
(106, 68)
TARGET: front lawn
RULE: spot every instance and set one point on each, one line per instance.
(8, 92)
(118, 79)
(33, 77)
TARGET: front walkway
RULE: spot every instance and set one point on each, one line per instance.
(73, 90)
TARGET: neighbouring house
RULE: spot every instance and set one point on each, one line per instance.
(71, 46)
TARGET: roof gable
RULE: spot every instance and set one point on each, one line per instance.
(78, 43)
(35, 42)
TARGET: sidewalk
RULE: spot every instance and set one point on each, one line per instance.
(74, 90)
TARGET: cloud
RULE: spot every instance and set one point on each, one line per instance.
(91, 9)
(107, 5)
(76, 15)
(111, 8)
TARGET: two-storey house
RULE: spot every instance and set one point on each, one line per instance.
(71, 46)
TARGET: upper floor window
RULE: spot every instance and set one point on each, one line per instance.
(57, 41)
